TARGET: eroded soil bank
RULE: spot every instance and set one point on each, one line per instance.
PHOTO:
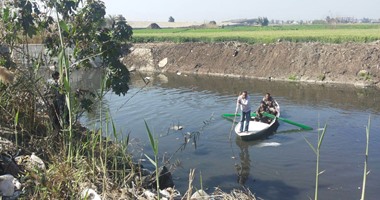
(349, 63)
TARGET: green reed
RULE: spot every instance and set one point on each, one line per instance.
(16, 119)
(201, 180)
(366, 171)
(317, 153)
(154, 145)
(64, 71)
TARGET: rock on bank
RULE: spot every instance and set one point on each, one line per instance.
(351, 63)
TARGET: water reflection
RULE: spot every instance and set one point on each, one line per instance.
(339, 96)
(244, 168)
(90, 81)
(87, 79)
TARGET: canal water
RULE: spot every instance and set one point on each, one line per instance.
(281, 166)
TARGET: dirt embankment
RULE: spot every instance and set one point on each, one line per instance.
(349, 63)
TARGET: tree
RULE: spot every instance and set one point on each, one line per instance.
(154, 26)
(328, 19)
(365, 20)
(171, 19)
(263, 21)
(212, 23)
(75, 24)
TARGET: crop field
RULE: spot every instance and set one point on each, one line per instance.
(360, 33)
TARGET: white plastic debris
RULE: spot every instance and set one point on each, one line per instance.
(90, 194)
(37, 161)
(8, 185)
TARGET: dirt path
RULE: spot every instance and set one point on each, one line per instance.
(357, 64)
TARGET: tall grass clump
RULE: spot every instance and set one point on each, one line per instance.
(317, 153)
(75, 156)
(63, 66)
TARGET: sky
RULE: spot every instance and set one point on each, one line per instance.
(223, 10)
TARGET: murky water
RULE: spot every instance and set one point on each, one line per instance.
(279, 167)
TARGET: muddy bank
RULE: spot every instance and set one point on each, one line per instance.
(350, 63)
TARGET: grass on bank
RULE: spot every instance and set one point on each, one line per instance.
(360, 33)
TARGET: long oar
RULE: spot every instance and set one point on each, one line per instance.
(305, 127)
(288, 121)
(227, 115)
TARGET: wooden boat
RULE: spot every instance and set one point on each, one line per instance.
(259, 129)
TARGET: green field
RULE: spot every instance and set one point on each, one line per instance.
(360, 33)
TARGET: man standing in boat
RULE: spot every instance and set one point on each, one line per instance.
(245, 107)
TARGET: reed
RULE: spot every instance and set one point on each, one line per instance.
(154, 145)
(16, 119)
(317, 153)
(366, 171)
(64, 71)
(190, 185)
(200, 180)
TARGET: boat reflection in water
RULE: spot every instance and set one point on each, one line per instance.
(243, 169)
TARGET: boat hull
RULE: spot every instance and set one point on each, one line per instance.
(257, 130)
